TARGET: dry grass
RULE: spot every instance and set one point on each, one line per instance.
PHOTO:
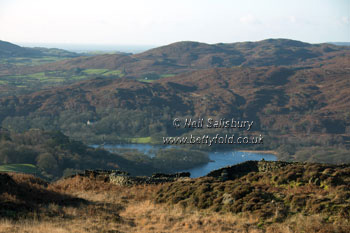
(146, 216)
(150, 217)
(309, 224)
(111, 208)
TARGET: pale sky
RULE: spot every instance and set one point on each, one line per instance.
(159, 22)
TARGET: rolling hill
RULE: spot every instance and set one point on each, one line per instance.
(319, 91)
(188, 56)
(11, 50)
(8, 50)
(296, 93)
(291, 102)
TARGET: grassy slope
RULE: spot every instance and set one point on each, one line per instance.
(40, 80)
(141, 140)
(82, 204)
(30, 61)
(20, 168)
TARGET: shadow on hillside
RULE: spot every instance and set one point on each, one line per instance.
(21, 194)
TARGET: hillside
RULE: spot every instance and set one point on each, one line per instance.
(54, 67)
(307, 105)
(341, 43)
(9, 50)
(281, 88)
(52, 155)
(261, 53)
(187, 56)
(296, 93)
(14, 58)
(266, 197)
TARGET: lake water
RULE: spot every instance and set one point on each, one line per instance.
(227, 158)
(220, 158)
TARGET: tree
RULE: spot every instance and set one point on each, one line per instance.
(47, 162)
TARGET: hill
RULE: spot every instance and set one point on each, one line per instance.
(340, 43)
(52, 155)
(188, 56)
(296, 93)
(14, 58)
(54, 52)
(267, 197)
(20, 168)
(9, 50)
(296, 105)
(22, 75)
(52, 67)
(262, 187)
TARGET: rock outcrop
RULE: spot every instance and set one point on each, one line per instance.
(241, 169)
(124, 179)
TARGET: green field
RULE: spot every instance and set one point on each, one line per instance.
(103, 72)
(37, 81)
(95, 71)
(114, 73)
(79, 77)
(167, 75)
(21, 61)
(146, 80)
(141, 140)
(151, 78)
(26, 80)
(20, 168)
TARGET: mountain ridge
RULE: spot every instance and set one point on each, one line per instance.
(186, 56)
(288, 100)
(8, 50)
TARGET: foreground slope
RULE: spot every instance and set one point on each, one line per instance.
(251, 197)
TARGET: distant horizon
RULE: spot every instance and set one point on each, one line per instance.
(74, 47)
(159, 22)
(128, 48)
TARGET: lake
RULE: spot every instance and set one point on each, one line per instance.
(227, 158)
(220, 158)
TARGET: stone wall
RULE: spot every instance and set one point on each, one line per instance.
(124, 179)
(241, 169)
(227, 173)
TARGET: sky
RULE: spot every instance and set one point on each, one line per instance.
(160, 22)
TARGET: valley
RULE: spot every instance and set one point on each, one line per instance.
(292, 95)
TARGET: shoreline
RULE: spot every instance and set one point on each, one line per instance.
(261, 151)
(156, 144)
